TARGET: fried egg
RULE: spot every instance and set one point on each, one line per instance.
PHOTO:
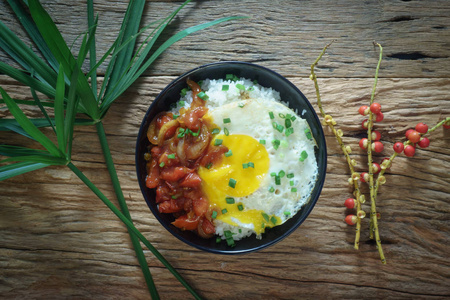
(269, 171)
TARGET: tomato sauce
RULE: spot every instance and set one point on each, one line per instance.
(179, 146)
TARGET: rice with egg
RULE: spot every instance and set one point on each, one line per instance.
(280, 202)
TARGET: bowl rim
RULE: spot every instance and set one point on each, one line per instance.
(321, 168)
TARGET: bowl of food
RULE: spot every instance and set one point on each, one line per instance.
(231, 157)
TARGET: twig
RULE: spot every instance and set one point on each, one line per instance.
(329, 121)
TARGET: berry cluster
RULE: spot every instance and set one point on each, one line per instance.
(414, 136)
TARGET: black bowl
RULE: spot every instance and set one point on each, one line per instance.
(289, 93)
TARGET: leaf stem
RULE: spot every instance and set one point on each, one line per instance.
(124, 208)
(130, 225)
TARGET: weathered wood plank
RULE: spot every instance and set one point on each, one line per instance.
(57, 240)
(285, 36)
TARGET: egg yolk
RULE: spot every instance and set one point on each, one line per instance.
(238, 174)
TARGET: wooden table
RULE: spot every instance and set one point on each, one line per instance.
(58, 241)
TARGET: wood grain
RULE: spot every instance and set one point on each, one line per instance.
(57, 240)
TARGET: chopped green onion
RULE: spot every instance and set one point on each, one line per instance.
(290, 175)
(271, 115)
(232, 183)
(218, 142)
(226, 120)
(229, 77)
(194, 133)
(225, 87)
(284, 144)
(225, 130)
(240, 207)
(202, 95)
(265, 216)
(240, 230)
(277, 180)
(215, 131)
(229, 200)
(282, 115)
(224, 211)
(230, 242)
(229, 153)
(255, 81)
(293, 118)
(308, 134)
(303, 155)
(174, 197)
(251, 88)
(291, 183)
(175, 116)
(183, 93)
(273, 174)
(273, 220)
(263, 225)
(181, 132)
(244, 166)
(263, 142)
(278, 127)
(288, 116)
(181, 103)
(200, 82)
(289, 131)
(287, 213)
(218, 239)
(281, 174)
(208, 166)
(171, 156)
(287, 123)
(241, 105)
(251, 165)
(228, 233)
(240, 86)
(276, 144)
(162, 164)
(214, 214)
(294, 190)
(271, 189)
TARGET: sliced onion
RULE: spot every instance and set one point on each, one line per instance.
(163, 130)
(196, 149)
(180, 152)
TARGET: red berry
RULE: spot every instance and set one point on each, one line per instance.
(376, 135)
(364, 177)
(398, 147)
(377, 147)
(351, 219)
(414, 136)
(379, 117)
(410, 150)
(446, 126)
(363, 143)
(422, 127)
(376, 168)
(363, 110)
(365, 124)
(424, 142)
(408, 132)
(375, 108)
(350, 203)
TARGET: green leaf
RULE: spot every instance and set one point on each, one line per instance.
(27, 80)
(44, 159)
(59, 109)
(130, 79)
(129, 28)
(92, 48)
(21, 50)
(37, 101)
(28, 126)
(71, 111)
(44, 103)
(17, 129)
(33, 32)
(11, 151)
(19, 168)
(6, 123)
(62, 53)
